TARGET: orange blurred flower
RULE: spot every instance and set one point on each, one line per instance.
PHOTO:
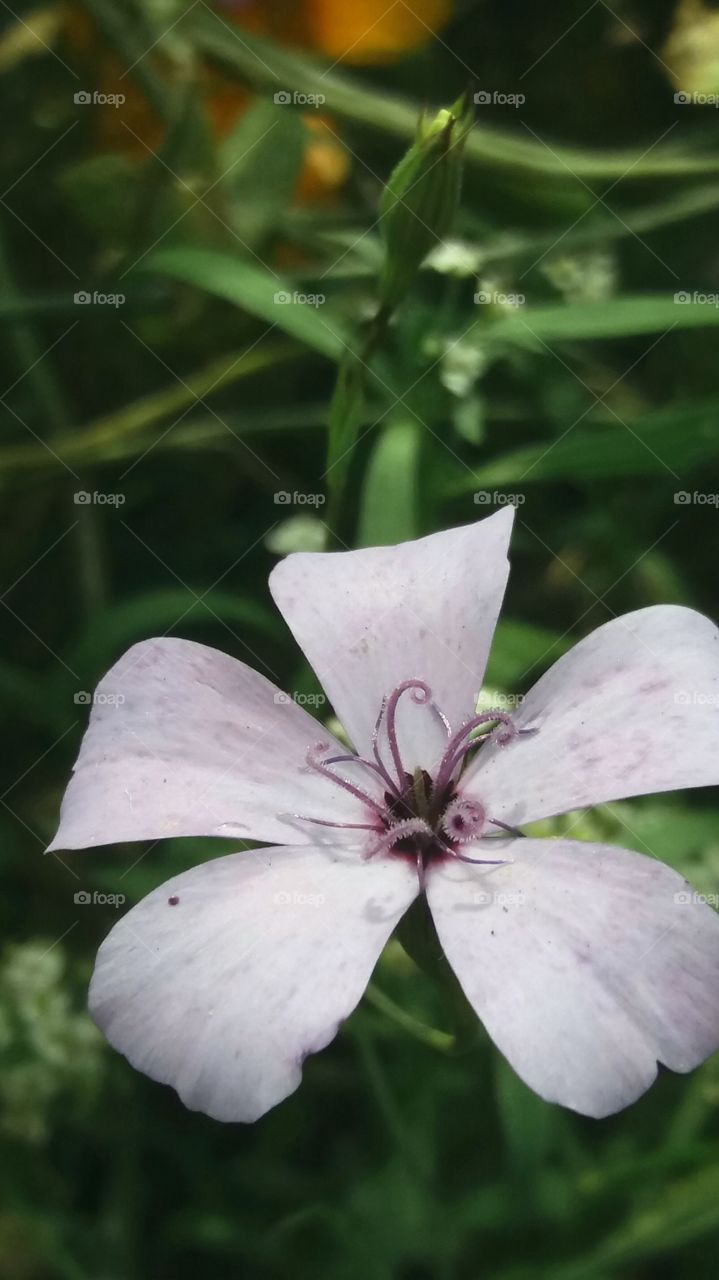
(364, 31)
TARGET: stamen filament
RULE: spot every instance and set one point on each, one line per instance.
(319, 767)
(326, 822)
(349, 758)
(421, 693)
(458, 746)
(376, 752)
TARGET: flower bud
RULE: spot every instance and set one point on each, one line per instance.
(421, 197)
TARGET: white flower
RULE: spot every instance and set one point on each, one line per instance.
(584, 962)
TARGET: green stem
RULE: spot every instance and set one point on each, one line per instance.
(107, 435)
(348, 404)
(431, 1036)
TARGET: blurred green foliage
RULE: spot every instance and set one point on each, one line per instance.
(577, 384)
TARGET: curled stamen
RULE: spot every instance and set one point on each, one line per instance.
(464, 820)
(460, 743)
(421, 694)
(400, 831)
(320, 766)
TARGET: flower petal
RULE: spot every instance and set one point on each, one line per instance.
(586, 964)
(367, 620)
(632, 709)
(186, 741)
(221, 981)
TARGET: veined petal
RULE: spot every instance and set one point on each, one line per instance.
(586, 964)
(224, 979)
(368, 620)
(183, 741)
(632, 709)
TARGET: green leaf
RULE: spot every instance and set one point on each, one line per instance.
(667, 441)
(261, 161)
(528, 1123)
(114, 628)
(520, 652)
(389, 504)
(261, 293)
(345, 416)
(617, 318)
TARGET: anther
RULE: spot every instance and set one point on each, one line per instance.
(464, 820)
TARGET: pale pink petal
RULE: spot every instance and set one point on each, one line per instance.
(224, 979)
(586, 964)
(186, 741)
(368, 620)
(632, 709)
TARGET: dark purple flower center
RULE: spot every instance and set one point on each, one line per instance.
(419, 815)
